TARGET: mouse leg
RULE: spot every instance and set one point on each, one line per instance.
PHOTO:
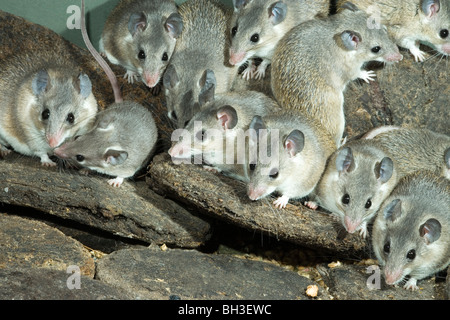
(116, 182)
(414, 47)
(281, 202)
(261, 70)
(46, 161)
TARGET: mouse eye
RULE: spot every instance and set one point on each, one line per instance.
(443, 33)
(45, 114)
(252, 166)
(411, 254)
(201, 135)
(141, 55)
(273, 173)
(79, 158)
(233, 31)
(387, 247)
(254, 38)
(368, 204)
(165, 57)
(345, 199)
(70, 118)
(376, 49)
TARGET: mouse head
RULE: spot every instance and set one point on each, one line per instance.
(254, 28)
(435, 24)
(64, 104)
(207, 134)
(153, 42)
(274, 154)
(184, 98)
(96, 149)
(407, 241)
(358, 184)
(364, 42)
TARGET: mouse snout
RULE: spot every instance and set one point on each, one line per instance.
(54, 139)
(236, 58)
(446, 48)
(151, 79)
(254, 193)
(179, 151)
(351, 225)
(393, 57)
(393, 276)
(60, 152)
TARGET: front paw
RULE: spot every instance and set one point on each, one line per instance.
(367, 75)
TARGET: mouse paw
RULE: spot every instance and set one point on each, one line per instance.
(249, 72)
(47, 162)
(260, 72)
(363, 230)
(367, 75)
(281, 202)
(312, 205)
(411, 284)
(131, 76)
(116, 182)
(4, 151)
(418, 54)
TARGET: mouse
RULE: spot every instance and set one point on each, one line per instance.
(411, 237)
(198, 58)
(219, 132)
(290, 155)
(46, 99)
(140, 36)
(258, 25)
(314, 62)
(362, 173)
(122, 139)
(413, 22)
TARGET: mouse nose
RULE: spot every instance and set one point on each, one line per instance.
(393, 57)
(235, 58)
(351, 225)
(392, 276)
(254, 193)
(151, 79)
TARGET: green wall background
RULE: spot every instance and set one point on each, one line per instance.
(53, 14)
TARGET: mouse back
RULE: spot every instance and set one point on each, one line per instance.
(411, 232)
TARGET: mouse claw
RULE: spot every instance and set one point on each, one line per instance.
(4, 151)
(367, 76)
(281, 202)
(131, 76)
(419, 55)
(411, 284)
(249, 72)
(116, 182)
(312, 205)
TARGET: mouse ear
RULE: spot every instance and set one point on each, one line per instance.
(257, 124)
(105, 121)
(40, 82)
(430, 231)
(137, 22)
(349, 6)
(239, 4)
(393, 210)
(447, 158)
(170, 77)
(384, 169)
(350, 39)
(430, 7)
(84, 85)
(227, 117)
(344, 160)
(208, 85)
(277, 12)
(115, 157)
(174, 25)
(294, 142)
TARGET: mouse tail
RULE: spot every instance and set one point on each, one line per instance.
(111, 76)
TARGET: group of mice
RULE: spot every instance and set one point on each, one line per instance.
(195, 50)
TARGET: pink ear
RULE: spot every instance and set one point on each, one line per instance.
(223, 120)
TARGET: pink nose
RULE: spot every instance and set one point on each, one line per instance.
(53, 141)
(255, 193)
(178, 151)
(59, 152)
(393, 57)
(446, 48)
(235, 58)
(392, 276)
(350, 224)
(151, 80)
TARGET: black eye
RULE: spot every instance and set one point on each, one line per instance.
(45, 114)
(254, 38)
(165, 57)
(70, 118)
(443, 33)
(234, 31)
(201, 135)
(411, 254)
(273, 173)
(345, 199)
(368, 204)
(141, 55)
(79, 158)
(387, 247)
(252, 166)
(376, 49)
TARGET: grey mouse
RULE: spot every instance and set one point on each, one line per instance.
(140, 36)
(122, 139)
(412, 22)
(199, 57)
(258, 25)
(411, 234)
(292, 163)
(219, 131)
(314, 62)
(45, 100)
